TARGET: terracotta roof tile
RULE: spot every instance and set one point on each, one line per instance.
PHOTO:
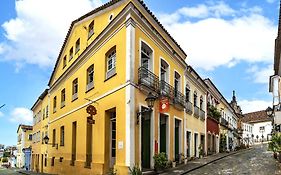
(254, 117)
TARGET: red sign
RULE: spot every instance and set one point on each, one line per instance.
(164, 105)
(156, 147)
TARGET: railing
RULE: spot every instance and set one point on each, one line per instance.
(202, 114)
(148, 79)
(223, 122)
(179, 98)
(196, 111)
(166, 89)
(88, 160)
(188, 107)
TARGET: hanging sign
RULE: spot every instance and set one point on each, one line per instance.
(90, 120)
(91, 110)
(164, 105)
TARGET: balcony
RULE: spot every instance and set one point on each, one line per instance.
(196, 112)
(223, 122)
(188, 107)
(166, 90)
(202, 115)
(179, 100)
(148, 79)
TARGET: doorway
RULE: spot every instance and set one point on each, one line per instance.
(112, 139)
(177, 139)
(145, 139)
(188, 144)
(195, 144)
(164, 128)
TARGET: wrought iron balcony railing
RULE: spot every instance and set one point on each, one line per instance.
(166, 89)
(223, 122)
(179, 98)
(148, 79)
(196, 111)
(188, 107)
(202, 114)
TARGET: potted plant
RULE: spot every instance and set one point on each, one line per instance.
(181, 158)
(174, 163)
(275, 146)
(135, 170)
(201, 151)
(160, 161)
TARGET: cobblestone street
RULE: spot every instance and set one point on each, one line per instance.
(256, 161)
(4, 171)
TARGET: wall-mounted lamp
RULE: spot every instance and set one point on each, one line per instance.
(46, 141)
(269, 111)
(150, 99)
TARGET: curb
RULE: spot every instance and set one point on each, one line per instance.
(200, 166)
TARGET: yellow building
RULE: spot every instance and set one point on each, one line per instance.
(40, 130)
(112, 59)
(24, 133)
(195, 116)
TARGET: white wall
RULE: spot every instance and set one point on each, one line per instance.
(256, 130)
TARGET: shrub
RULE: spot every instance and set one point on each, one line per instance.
(160, 161)
(135, 170)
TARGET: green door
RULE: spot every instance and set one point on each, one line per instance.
(145, 141)
(163, 138)
(177, 140)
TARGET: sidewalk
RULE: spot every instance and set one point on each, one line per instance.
(31, 173)
(198, 163)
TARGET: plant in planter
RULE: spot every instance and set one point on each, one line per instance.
(174, 163)
(135, 170)
(160, 161)
(275, 146)
(201, 151)
(181, 158)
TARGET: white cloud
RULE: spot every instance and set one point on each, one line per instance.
(254, 105)
(1, 114)
(36, 34)
(270, 1)
(244, 35)
(21, 115)
(261, 75)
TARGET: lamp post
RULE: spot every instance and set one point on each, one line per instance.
(269, 111)
(46, 141)
(150, 99)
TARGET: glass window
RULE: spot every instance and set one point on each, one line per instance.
(195, 98)
(90, 77)
(75, 86)
(64, 61)
(62, 136)
(111, 62)
(63, 98)
(55, 104)
(146, 54)
(77, 45)
(91, 29)
(71, 53)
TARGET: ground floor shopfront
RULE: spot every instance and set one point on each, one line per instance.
(212, 136)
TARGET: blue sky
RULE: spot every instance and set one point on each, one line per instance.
(232, 42)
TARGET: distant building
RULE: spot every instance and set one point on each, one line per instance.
(24, 145)
(259, 125)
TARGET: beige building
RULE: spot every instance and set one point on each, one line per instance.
(24, 142)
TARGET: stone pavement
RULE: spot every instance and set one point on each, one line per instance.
(198, 163)
(253, 161)
(257, 161)
(31, 173)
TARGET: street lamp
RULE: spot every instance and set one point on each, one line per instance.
(150, 99)
(269, 111)
(46, 141)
